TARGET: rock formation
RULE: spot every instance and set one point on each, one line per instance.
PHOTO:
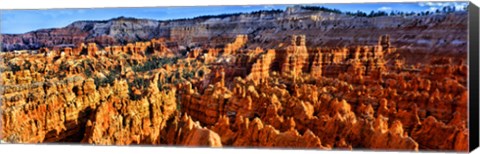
(432, 33)
(189, 88)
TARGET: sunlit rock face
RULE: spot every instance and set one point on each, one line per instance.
(434, 33)
(247, 90)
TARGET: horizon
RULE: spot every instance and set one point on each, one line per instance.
(35, 19)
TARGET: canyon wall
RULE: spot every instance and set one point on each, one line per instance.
(439, 33)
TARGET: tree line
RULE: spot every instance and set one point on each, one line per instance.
(446, 9)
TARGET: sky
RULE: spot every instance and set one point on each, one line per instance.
(22, 21)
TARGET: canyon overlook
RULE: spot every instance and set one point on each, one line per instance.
(289, 79)
(430, 33)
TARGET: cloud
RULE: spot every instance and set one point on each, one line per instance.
(385, 8)
(432, 9)
(460, 5)
(53, 14)
(268, 7)
(439, 5)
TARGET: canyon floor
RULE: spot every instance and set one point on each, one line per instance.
(293, 95)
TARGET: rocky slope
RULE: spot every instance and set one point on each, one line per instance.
(438, 32)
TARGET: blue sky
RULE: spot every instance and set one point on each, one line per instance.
(22, 21)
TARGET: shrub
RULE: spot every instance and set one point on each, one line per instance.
(153, 63)
(88, 72)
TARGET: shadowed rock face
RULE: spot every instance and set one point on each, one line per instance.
(293, 94)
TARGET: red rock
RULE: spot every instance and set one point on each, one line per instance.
(243, 94)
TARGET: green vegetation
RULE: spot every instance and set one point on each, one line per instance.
(27, 65)
(13, 67)
(139, 83)
(153, 63)
(446, 9)
(109, 78)
(179, 106)
(226, 15)
(63, 66)
(188, 74)
(88, 72)
(320, 8)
